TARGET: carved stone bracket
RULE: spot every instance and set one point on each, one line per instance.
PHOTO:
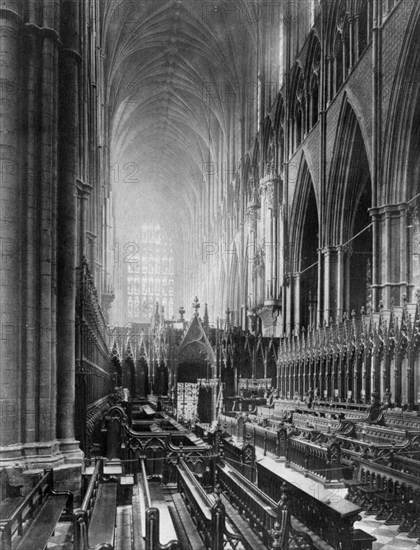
(269, 313)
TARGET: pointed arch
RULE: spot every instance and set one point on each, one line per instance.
(302, 194)
(304, 236)
(348, 175)
(402, 139)
(348, 235)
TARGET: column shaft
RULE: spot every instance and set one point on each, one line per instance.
(10, 231)
(31, 371)
(66, 284)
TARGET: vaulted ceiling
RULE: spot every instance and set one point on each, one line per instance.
(168, 66)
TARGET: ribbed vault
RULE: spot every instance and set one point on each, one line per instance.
(167, 68)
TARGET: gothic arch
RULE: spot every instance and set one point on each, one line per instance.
(304, 237)
(402, 169)
(344, 185)
(298, 211)
(348, 236)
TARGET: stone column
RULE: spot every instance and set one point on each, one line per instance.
(386, 260)
(351, 42)
(375, 254)
(403, 253)
(343, 44)
(327, 277)
(31, 360)
(47, 238)
(332, 285)
(356, 37)
(340, 283)
(66, 287)
(296, 292)
(319, 290)
(10, 229)
(288, 304)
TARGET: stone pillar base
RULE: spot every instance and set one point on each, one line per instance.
(27, 462)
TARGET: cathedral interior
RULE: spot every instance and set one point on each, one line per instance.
(210, 274)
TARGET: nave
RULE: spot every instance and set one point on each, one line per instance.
(259, 156)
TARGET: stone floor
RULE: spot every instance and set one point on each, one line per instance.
(387, 536)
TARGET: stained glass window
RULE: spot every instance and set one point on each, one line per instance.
(154, 275)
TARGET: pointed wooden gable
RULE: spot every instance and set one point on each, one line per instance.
(195, 344)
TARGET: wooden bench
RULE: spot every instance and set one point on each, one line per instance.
(167, 533)
(159, 531)
(262, 511)
(94, 522)
(41, 508)
(102, 521)
(324, 512)
(184, 525)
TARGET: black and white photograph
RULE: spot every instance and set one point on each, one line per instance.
(210, 274)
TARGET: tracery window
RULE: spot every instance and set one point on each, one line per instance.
(152, 277)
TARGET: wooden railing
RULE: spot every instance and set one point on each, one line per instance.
(161, 448)
(263, 514)
(323, 461)
(241, 455)
(208, 513)
(28, 509)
